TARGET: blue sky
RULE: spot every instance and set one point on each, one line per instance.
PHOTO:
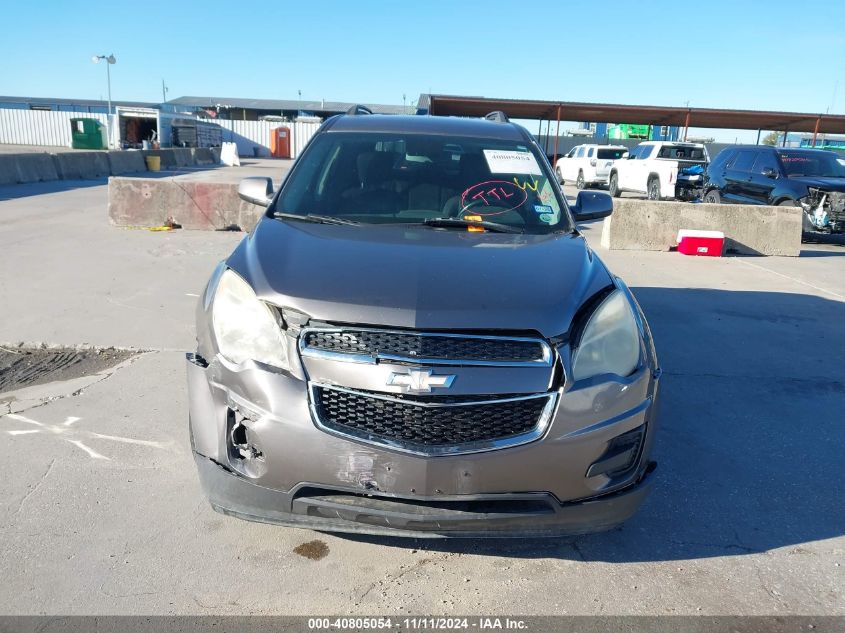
(740, 54)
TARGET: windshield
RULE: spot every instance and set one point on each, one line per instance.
(821, 164)
(375, 178)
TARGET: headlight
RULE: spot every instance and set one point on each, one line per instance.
(610, 343)
(244, 326)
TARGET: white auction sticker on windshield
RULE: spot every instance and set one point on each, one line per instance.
(508, 162)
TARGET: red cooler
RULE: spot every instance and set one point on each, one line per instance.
(706, 243)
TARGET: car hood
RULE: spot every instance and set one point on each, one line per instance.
(420, 277)
(828, 184)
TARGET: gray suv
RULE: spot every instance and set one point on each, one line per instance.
(416, 339)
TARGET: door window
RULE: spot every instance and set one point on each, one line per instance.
(580, 153)
(765, 161)
(591, 153)
(744, 161)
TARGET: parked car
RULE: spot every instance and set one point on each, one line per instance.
(813, 179)
(416, 339)
(588, 165)
(661, 170)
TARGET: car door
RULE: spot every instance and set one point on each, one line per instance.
(764, 176)
(560, 165)
(572, 166)
(589, 165)
(637, 175)
(628, 167)
(738, 177)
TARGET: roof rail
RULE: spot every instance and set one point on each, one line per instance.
(498, 116)
(359, 109)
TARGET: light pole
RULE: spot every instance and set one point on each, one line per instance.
(109, 61)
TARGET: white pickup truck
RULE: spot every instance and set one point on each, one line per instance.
(661, 169)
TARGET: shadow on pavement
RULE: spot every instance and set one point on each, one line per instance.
(834, 240)
(13, 192)
(751, 440)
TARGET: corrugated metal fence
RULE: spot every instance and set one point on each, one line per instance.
(41, 127)
(251, 134)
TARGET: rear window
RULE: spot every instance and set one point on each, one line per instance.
(681, 152)
(612, 154)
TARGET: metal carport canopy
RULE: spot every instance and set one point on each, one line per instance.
(445, 105)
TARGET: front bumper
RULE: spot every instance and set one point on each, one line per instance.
(473, 516)
(307, 477)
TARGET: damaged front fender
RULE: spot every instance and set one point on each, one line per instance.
(824, 211)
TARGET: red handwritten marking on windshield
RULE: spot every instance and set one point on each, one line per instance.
(502, 195)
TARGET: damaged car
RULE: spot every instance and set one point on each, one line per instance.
(810, 178)
(417, 340)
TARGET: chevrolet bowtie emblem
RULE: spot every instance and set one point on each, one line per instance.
(420, 381)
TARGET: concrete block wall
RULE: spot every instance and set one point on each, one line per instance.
(749, 230)
(126, 162)
(82, 165)
(23, 168)
(146, 202)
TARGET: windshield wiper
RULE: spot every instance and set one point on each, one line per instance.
(311, 217)
(460, 222)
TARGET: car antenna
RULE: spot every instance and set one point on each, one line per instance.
(359, 109)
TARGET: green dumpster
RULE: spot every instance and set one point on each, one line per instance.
(88, 134)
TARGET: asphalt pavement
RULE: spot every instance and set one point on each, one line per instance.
(101, 511)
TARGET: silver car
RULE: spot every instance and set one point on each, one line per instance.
(415, 339)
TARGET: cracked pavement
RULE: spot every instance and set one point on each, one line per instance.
(746, 517)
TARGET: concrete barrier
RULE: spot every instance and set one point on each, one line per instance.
(82, 165)
(167, 158)
(127, 162)
(8, 169)
(149, 202)
(183, 155)
(35, 167)
(206, 155)
(749, 230)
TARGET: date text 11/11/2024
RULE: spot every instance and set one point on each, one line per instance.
(415, 624)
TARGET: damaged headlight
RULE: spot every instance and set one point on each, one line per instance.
(244, 326)
(610, 343)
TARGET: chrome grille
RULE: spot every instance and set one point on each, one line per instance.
(370, 345)
(431, 425)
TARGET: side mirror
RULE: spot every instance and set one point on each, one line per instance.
(768, 172)
(257, 190)
(592, 205)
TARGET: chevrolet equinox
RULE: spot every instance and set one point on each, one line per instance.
(416, 339)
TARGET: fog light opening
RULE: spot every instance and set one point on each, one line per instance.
(245, 456)
(621, 455)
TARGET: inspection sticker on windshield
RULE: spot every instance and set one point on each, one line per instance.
(507, 162)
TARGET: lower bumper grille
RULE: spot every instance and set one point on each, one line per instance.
(434, 424)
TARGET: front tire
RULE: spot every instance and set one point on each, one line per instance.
(559, 175)
(613, 185)
(713, 197)
(579, 182)
(653, 189)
